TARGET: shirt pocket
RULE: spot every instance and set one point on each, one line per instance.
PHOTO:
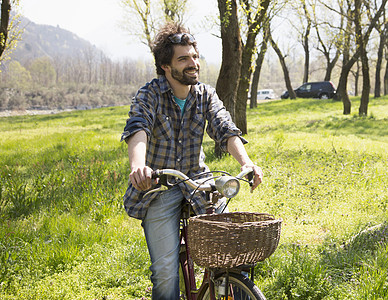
(197, 125)
(162, 128)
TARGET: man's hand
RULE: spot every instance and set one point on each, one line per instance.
(258, 174)
(236, 148)
(141, 178)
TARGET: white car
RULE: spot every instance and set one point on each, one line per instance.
(265, 94)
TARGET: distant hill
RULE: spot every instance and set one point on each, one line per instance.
(45, 40)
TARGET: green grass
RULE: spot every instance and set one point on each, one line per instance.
(64, 233)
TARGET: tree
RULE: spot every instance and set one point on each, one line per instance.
(42, 71)
(143, 17)
(258, 64)
(304, 30)
(282, 61)
(383, 32)
(9, 34)
(355, 71)
(330, 38)
(4, 23)
(355, 13)
(89, 56)
(254, 15)
(18, 76)
(174, 10)
(386, 72)
(227, 82)
(139, 21)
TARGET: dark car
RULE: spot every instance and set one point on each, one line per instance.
(321, 90)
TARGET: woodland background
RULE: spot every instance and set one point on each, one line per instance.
(284, 44)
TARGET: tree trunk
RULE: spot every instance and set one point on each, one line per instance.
(379, 62)
(342, 92)
(361, 44)
(243, 85)
(246, 66)
(386, 78)
(330, 65)
(306, 62)
(228, 78)
(256, 73)
(5, 12)
(356, 78)
(306, 46)
(284, 68)
(363, 109)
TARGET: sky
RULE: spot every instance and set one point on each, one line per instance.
(97, 21)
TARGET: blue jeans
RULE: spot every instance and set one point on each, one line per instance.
(161, 230)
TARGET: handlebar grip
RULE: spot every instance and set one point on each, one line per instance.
(156, 174)
(250, 177)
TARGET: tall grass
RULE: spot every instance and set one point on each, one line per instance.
(65, 235)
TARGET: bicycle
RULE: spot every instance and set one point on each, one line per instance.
(234, 243)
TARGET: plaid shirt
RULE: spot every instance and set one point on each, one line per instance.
(175, 140)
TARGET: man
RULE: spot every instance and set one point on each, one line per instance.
(165, 130)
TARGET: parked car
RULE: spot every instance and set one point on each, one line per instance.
(266, 94)
(321, 90)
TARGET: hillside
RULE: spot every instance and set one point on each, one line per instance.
(77, 74)
(46, 40)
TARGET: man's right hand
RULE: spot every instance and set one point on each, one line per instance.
(140, 175)
(140, 178)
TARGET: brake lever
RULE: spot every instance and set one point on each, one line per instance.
(249, 174)
(159, 189)
(163, 181)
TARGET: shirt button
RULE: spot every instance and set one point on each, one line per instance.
(178, 159)
(180, 141)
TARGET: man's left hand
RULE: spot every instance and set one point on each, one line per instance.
(258, 174)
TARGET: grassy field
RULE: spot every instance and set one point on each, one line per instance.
(64, 233)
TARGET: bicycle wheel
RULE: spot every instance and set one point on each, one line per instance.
(240, 288)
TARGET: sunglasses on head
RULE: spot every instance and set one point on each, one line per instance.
(178, 38)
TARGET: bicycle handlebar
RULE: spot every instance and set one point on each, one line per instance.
(182, 176)
(199, 186)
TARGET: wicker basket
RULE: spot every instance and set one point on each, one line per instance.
(232, 239)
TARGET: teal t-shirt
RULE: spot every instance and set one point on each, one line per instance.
(181, 103)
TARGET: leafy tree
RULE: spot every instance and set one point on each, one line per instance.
(9, 33)
(143, 17)
(386, 72)
(382, 28)
(174, 10)
(360, 14)
(283, 64)
(254, 13)
(258, 64)
(329, 35)
(42, 71)
(229, 75)
(4, 23)
(18, 76)
(303, 27)
(228, 78)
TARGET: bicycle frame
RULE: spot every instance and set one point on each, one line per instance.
(187, 266)
(186, 262)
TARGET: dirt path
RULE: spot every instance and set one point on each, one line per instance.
(10, 113)
(32, 112)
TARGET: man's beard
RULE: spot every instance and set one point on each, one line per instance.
(183, 78)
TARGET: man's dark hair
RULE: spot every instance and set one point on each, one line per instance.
(163, 45)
